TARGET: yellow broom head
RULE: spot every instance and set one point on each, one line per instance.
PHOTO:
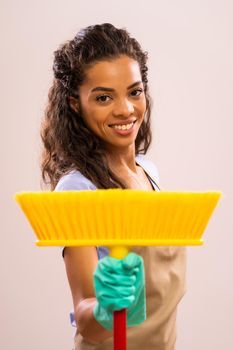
(116, 217)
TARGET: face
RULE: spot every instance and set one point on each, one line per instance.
(112, 101)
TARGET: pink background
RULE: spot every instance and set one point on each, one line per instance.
(191, 82)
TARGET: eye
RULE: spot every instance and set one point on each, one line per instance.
(137, 92)
(102, 98)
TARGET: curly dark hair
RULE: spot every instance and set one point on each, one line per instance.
(68, 144)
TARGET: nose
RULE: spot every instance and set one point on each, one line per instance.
(123, 108)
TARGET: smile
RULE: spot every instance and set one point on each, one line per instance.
(124, 126)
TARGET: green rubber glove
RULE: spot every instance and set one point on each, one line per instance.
(120, 284)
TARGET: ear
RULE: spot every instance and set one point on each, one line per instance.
(74, 104)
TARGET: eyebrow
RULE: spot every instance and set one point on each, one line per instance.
(102, 88)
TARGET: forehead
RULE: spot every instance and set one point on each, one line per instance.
(119, 71)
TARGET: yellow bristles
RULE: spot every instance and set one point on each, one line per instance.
(118, 217)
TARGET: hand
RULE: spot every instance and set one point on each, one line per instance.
(120, 284)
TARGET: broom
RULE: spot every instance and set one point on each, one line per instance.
(118, 219)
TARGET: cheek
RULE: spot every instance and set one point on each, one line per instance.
(95, 118)
(142, 107)
(142, 103)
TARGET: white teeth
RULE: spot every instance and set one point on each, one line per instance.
(123, 127)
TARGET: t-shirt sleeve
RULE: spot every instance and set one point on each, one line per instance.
(74, 182)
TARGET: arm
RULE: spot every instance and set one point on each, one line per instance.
(80, 263)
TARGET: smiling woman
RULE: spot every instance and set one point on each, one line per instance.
(100, 80)
(96, 132)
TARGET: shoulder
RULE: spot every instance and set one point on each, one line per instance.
(74, 181)
(149, 166)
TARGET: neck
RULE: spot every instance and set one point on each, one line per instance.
(122, 160)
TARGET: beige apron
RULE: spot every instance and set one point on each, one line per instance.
(165, 269)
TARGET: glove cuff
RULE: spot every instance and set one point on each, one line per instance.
(103, 317)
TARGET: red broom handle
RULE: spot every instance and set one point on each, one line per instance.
(119, 329)
(119, 317)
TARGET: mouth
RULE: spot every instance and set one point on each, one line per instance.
(121, 126)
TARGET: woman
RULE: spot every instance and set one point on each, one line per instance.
(95, 133)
